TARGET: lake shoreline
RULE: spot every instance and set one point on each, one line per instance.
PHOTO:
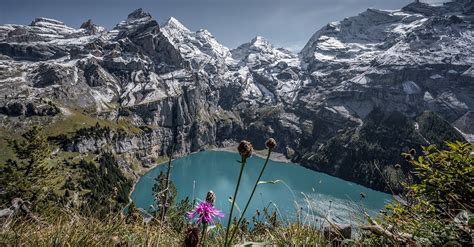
(274, 156)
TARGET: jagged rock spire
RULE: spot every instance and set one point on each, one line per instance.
(138, 13)
(91, 28)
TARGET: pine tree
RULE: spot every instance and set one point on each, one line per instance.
(34, 148)
(26, 177)
(107, 185)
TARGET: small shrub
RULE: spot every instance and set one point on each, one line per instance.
(437, 209)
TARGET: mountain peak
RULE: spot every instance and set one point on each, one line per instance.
(137, 22)
(260, 41)
(176, 24)
(138, 14)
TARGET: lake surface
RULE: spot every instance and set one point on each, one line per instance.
(317, 195)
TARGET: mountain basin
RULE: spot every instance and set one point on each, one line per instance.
(297, 192)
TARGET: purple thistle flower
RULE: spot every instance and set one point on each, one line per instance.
(205, 213)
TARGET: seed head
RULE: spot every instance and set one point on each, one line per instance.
(245, 149)
(211, 197)
(271, 143)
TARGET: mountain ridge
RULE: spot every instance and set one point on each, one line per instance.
(172, 85)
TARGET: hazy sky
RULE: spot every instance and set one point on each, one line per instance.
(286, 23)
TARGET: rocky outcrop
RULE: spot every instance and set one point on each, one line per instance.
(28, 109)
(31, 52)
(91, 28)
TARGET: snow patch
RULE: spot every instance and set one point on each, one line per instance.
(436, 76)
(410, 87)
(427, 96)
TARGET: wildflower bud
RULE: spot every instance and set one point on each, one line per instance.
(115, 240)
(211, 197)
(412, 152)
(271, 143)
(192, 237)
(245, 149)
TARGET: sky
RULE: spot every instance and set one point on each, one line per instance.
(285, 23)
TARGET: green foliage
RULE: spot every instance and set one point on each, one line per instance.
(177, 215)
(6, 152)
(437, 209)
(437, 130)
(373, 149)
(429, 215)
(77, 119)
(96, 131)
(33, 148)
(75, 229)
(446, 178)
(26, 177)
(267, 227)
(133, 214)
(107, 186)
(160, 190)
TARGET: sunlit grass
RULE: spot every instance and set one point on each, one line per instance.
(75, 230)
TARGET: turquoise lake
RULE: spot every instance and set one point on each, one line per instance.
(317, 195)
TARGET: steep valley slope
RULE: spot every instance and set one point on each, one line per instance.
(362, 91)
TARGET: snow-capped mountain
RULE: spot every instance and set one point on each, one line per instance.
(416, 58)
(197, 93)
(200, 46)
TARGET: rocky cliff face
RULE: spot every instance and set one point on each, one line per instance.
(177, 86)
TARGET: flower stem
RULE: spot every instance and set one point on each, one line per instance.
(251, 195)
(203, 234)
(244, 160)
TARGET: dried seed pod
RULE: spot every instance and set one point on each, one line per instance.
(245, 149)
(271, 143)
(211, 197)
